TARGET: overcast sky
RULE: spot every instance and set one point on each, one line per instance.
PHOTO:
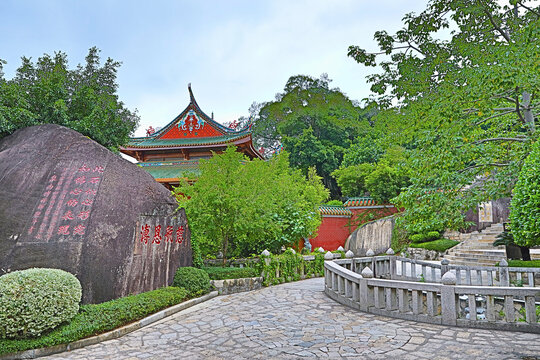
(232, 52)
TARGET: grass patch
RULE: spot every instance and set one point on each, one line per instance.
(222, 273)
(522, 263)
(438, 245)
(96, 319)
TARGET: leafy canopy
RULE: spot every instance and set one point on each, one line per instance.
(240, 206)
(466, 104)
(313, 122)
(525, 205)
(83, 99)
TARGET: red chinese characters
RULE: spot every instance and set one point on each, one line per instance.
(80, 180)
(157, 235)
(75, 191)
(72, 202)
(99, 169)
(79, 229)
(145, 233)
(84, 168)
(68, 216)
(63, 230)
(180, 234)
(169, 234)
(95, 180)
(87, 202)
(83, 215)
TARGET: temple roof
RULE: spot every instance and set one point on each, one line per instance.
(164, 170)
(333, 210)
(363, 202)
(191, 128)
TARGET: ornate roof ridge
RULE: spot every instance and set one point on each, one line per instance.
(195, 106)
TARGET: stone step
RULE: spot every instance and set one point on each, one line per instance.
(475, 259)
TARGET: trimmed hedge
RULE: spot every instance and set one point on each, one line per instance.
(425, 237)
(438, 245)
(222, 273)
(522, 263)
(33, 301)
(195, 281)
(99, 318)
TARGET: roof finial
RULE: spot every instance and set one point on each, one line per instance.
(212, 115)
(191, 97)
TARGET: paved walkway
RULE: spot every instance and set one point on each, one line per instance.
(297, 320)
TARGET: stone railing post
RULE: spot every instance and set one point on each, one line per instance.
(370, 253)
(444, 267)
(448, 299)
(392, 256)
(504, 276)
(366, 293)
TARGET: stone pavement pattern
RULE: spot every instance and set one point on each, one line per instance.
(297, 320)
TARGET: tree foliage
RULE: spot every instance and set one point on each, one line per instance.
(312, 121)
(466, 103)
(83, 99)
(525, 205)
(240, 207)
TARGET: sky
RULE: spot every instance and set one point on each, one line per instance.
(232, 52)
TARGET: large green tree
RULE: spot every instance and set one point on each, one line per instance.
(460, 82)
(240, 206)
(314, 122)
(84, 99)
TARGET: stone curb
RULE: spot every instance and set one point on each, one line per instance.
(113, 334)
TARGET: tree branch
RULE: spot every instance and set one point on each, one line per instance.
(520, 139)
(494, 116)
(496, 26)
(483, 165)
(528, 8)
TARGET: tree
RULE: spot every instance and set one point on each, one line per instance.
(382, 180)
(525, 205)
(310, 113)
(468, 103)
(240, 206)
(83, 99)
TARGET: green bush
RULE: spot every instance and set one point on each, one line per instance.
(522, 263)
(525, 204)
(222, 273)
(99, 318)
(417, 238)
(433, 235)
(334, 203)
(36, 300)
(195, 281)
(438, 245)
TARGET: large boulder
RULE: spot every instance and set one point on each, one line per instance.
(67, 202)
(375, 235)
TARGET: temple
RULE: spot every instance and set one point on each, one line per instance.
(173, 152)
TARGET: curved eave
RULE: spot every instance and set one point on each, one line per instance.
(238, 141)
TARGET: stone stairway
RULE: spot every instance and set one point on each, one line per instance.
(476, 248)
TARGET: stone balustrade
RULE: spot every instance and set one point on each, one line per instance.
(482, 297)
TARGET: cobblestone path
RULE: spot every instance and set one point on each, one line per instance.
(297, 320)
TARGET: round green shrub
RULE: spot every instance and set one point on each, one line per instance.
(417, 238)
(525, 204)
(33, 301)
(195, 281)
(433, 235)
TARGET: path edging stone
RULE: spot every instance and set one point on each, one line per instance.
(113, 334)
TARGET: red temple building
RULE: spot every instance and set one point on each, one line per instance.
(174, 151)
(338, 222)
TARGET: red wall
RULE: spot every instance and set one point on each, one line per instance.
(332, 233)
